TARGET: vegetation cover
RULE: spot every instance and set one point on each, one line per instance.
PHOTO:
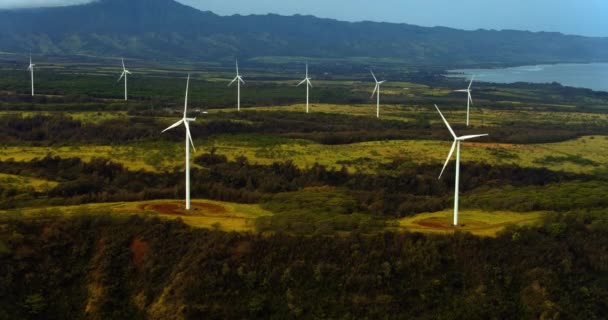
(165, 30)
(105, 267)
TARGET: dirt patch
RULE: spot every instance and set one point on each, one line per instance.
(174, 209)
(428, 223)
(139, 248)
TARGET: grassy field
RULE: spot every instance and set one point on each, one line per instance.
(25, 183)
(241, 217)
(583, 155)
(477, 222)
(204, 214)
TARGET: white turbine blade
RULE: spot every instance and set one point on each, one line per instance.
(123, 63)
(470, 84)
(189, 135)
(446, 122)
(472, 136)
(174, 125)
(121, 75)
(461, 90)
(241, 80)
(375, 89)
(309, 83)
(186, 100)
(470, 97)
(237, 67)
(127, 71)
(448, 159)
(306, 70)
(231, 82)
(302, 82)
(381, 82)
(373, 75)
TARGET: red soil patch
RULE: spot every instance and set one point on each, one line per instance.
(139, 248)
(174, 209)
(433, 225)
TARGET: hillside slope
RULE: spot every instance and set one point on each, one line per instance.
(165, 30)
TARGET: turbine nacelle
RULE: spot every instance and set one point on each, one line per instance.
(185, 120)
(307, 81)
(457, 140)
(378, 84)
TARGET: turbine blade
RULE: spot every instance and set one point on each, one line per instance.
(186, 100)
(373, 75)
(472, 136)
(174, 125)
(123, 63)
(231, 82)
(375, 89)
(461, 90)
(381, 82)
(299, 84)
(470, 84)
(446, 122)
(237, 67)
(122, 75)
(470, 97)
(448, 159)
(309, 83)
(189, 135)
(241, 80)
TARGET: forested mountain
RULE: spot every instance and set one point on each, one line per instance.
(164, 30)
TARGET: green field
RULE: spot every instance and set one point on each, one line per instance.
(477, 222)
(533, 128)
(204, 214)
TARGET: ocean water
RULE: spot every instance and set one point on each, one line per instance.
(592, 76)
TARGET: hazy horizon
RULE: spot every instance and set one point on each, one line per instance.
(585, 18)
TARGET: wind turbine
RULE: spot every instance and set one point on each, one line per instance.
(125, 72)
(189, 141)
(31, 70)
(238, 79)
(308, 86)
(455, 145)
(377, 89)
(469, 97)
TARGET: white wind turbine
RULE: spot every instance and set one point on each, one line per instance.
(308, 86)
(377, 89)
(469, 97)
(189, 141)
(455, 145)
(238, 79)
(125, 72)
(31, 70)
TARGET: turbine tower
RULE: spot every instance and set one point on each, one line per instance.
(31, 70)
(377, 89)
(185, 120)
(238, 79)
(125, 72)
(455, 145)
(469, 97)
(308, 86)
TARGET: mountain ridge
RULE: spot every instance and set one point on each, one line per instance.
(166, 30)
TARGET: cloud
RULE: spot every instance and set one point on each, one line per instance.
(15, 4)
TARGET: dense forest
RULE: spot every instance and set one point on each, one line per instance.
(98, 267)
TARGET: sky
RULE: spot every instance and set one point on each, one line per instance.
(582, 17)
